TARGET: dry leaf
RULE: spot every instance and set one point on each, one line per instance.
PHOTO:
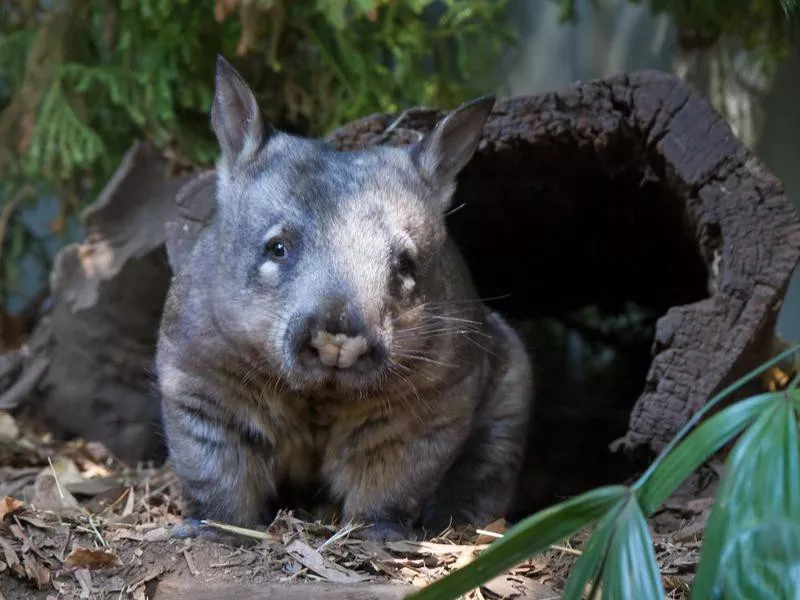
(48, 495)
(35, 521)
(314, 561)
(9, 505)
(88, 558)
(159, 534)
(511, 587)
(498, 526)
(67, 471)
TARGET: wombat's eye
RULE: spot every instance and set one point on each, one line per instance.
(406, 266)
(276, 249)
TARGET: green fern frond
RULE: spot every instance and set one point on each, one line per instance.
(61, 141)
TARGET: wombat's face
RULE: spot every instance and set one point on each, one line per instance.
(326, 258)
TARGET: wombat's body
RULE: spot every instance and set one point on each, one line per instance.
(325, 336)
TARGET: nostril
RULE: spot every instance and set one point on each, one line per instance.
(351, 350)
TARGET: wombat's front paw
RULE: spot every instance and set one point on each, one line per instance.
(386, 531)
(193, 528)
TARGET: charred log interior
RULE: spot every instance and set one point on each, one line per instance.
(584, 257)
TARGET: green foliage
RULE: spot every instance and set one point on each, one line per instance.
(80, 80)
(761, 25)
(752, 541)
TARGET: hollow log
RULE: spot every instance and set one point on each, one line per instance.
(630, 189)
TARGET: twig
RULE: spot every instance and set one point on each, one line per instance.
(488, 533)
(566, 550)
(55, 476)
(253, 533)
(96, 531)
(344, 531)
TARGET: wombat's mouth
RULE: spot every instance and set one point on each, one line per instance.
(337, 363)
(342, 381)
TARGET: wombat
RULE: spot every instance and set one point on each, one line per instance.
(325, 337)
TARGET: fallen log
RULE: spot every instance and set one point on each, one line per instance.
(630, 189)
(87, 370)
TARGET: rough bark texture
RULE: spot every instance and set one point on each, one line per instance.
(627, 189)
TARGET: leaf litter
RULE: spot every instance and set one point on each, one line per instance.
(76, 523)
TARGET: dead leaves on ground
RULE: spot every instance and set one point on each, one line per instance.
(75, 523)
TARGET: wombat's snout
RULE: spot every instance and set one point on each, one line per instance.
(336, 337)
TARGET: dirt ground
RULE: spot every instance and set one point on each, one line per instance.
(76, 524)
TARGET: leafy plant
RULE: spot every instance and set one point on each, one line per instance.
(80, 80)
(752, 540)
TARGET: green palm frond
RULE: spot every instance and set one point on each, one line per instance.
(752, 542)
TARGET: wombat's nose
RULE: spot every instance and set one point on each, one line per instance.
(339, 350)
(338, 336)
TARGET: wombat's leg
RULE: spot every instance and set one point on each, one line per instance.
(222, 466)
(389, 469)
(478, 487)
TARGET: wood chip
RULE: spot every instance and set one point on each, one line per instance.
(190, 563)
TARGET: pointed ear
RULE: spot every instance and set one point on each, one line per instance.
(235, 117)
(442, 153)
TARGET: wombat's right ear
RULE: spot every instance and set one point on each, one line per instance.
(443, 152)
(235, 117)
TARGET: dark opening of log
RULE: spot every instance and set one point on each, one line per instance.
(558, 227)
(589, 249)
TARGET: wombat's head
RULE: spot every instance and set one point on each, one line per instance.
(326, 259)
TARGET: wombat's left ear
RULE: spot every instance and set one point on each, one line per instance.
(442, 153)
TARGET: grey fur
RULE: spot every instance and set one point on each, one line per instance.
(427, 424)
